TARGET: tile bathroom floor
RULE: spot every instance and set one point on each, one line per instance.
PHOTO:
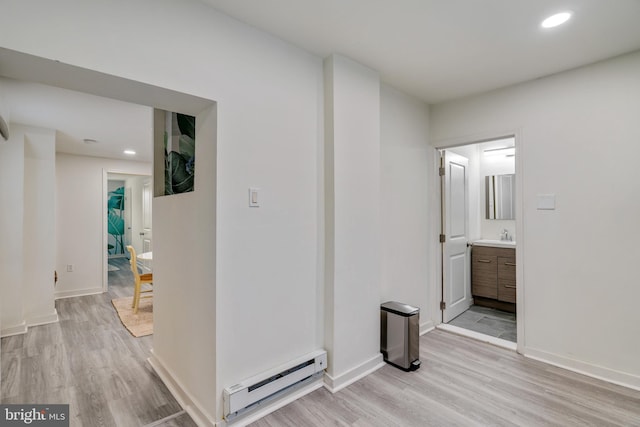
(488, 321)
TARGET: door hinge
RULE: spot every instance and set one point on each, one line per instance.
(443, 305)
(441, 171)
(443, 238)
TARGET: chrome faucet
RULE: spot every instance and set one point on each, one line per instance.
(505, 235)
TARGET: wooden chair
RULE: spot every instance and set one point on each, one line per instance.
(140, 279)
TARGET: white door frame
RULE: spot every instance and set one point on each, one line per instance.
(436, 247)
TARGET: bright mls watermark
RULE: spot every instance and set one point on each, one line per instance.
(34, 415)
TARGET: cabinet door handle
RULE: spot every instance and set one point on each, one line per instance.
(510, 263)
(484, 260)
(510, 286)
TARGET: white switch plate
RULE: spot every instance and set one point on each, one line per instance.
(254, 197)
(546, 202)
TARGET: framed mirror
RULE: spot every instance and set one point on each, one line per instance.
(500, 191)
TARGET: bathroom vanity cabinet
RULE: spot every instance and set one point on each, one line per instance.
(493, 276)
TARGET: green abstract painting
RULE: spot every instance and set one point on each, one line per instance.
(179, 154)
(115, 221)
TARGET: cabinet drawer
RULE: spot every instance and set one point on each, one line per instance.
(507, 267)
(507, 279)
(507, 290)
(491, 251)
(484, 276)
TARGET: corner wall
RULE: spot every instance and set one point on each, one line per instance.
(12, 226)
(577, 277)
(39, 226)
(352, 227)
(27, 254)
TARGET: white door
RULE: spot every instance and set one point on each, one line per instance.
(146, 233)
(456, 278)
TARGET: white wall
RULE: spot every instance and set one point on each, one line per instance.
(352, 213)
(27, 223)
(39, 226)
(576, 272)
(12, 226)
(79, 220)
(405, 156)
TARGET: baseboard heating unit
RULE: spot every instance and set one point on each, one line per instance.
(262, 389)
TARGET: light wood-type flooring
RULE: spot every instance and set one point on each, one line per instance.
(463, 382)
(91, 362)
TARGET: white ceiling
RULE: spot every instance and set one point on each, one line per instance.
(445, 49)
(115, 125)
(437, 50)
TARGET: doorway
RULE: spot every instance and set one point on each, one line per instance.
(478, 239)
(128, 219)
(118, 217)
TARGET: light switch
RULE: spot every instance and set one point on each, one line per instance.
(546, 202)
(254, 201)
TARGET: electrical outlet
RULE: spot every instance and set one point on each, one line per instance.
(69, 268)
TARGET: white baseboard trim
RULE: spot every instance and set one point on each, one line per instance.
(20, 328)
(23, 327)
(277, 404)
(499, 342)
(186, 401)
(77, 293)
(335, 384)
(427, 327)
(594, 371)
(43, 319)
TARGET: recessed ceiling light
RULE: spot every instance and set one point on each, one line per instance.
(555, 20)
(89, 141)
(129, 152)
(502, 151)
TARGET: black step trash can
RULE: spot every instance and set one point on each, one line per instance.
(399, 335)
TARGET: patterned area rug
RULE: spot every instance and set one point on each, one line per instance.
(139, 324)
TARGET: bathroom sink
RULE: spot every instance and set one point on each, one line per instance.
(495, 243)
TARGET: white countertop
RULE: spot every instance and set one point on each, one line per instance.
(495, 243)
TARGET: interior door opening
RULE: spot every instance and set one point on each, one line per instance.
(129, 201)
(478, 240)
